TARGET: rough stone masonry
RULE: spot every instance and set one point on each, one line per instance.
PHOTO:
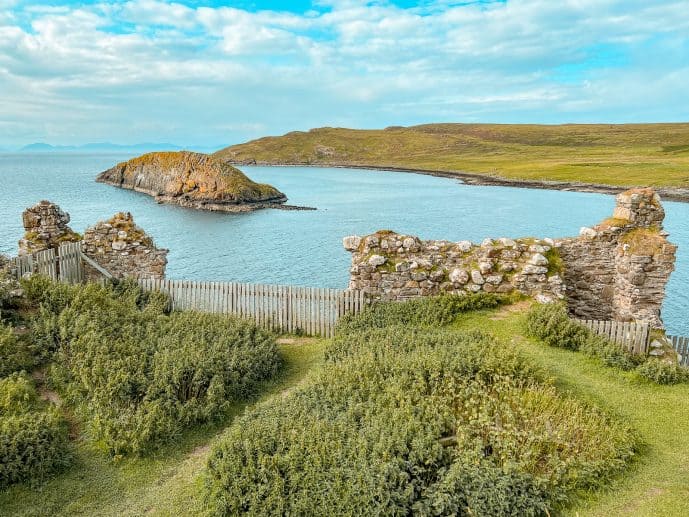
(118, 245)
(46, 228)
(616, 270)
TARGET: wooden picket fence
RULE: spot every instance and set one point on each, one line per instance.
(293, 309)
(681, 346)
(632, 336)
(64, 265)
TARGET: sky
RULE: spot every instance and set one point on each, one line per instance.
(216, 73)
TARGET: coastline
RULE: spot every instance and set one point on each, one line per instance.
(473, 178)
(208, 205)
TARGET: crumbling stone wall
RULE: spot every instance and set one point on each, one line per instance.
(390, 266)
(619, 268)
(124, 249)
(46, 228)
(616, 270)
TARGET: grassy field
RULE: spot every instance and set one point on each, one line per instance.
(621, 155)
(169, 483)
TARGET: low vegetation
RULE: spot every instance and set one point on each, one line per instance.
(624, 155)
(551, 324)
(136, 375)
(405, 420)
(33, 437)
(129, 375)
(409, 409)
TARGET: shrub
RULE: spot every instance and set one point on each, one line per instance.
(33, 440)
(426, 422)
(609, 353)
(662, 372)
(8, 289)
(15, 354)
(551, 324)
(137, 376)
(433, 311)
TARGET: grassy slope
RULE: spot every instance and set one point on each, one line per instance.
(169, 484)
(635, 154)
(657, 482)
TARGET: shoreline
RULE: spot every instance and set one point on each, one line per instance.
(477, 179)
(209, 205)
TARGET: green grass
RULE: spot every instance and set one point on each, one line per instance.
(624, 155)
(657, 482)
(167, 483)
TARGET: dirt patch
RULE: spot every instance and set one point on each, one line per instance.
(295, 340)
(632, 507)
(201, 450)
(507, 310)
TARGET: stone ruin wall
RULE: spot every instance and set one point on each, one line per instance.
(616, 270)
(45, 226)
(118, 245)
(124, 249)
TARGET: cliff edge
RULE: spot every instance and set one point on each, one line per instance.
(192, 180)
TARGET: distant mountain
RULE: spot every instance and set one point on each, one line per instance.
(98, 147)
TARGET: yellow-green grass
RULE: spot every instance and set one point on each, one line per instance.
(656, 483)
(168, 483)
(621, 155)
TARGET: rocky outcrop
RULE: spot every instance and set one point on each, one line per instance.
(46, 227)
(123, 249)
(192, 180)
(616, 270)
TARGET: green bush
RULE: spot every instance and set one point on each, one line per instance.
(33, 440)
(432, 311)
(422, 422)
(609, 353)
(551, 324)
(15, 354)
(662, 372)
(138, 376)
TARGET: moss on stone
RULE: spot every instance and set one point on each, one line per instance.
(644, 241)
(556, 265)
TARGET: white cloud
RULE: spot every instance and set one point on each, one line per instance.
(154, 70)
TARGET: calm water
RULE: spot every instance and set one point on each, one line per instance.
(304, 248)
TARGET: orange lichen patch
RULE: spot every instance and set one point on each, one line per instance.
(613, 222)
(123, 221)
(196, 175)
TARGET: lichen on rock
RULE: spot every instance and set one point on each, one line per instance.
(193, 180)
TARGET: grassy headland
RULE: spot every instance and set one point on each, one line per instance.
(605, 155)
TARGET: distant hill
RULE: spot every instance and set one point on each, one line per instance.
(41, 147)
(607, 154)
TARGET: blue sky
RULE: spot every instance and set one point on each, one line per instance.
(213, 73)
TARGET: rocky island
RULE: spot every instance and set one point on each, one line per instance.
(193, 180)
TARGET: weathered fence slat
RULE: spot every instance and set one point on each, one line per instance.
(314, 311)
(633, 336)
(681, 346)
